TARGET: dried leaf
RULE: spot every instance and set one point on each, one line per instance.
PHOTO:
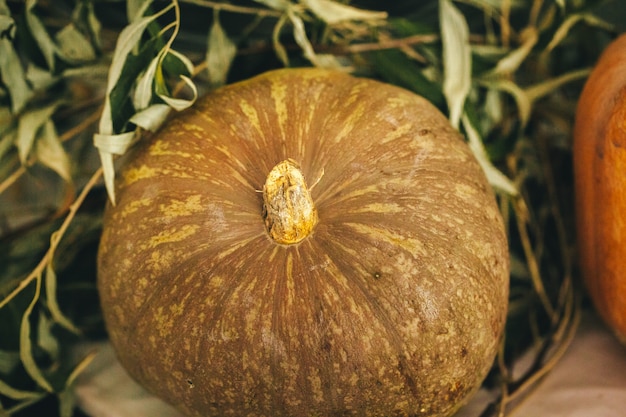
(220, 53)
(109, 145)
(563, 30)
(152, 117)
(513, 60)
(26, 350)
(52, 302)
(135, 9)
(145, 85)
(280, 5)
(16, 394)
(279, 49)
(496, 178)
(180, 104)
(457, 59)
(46, 45)
(50, 152)
(29, 126)
(523, 101)
(299, 34)
(45, 339)
(333, 12)
(73, 45)
(544, 88)
(39, 78)
(12, 74)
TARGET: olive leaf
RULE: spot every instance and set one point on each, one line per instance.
(46, 45)
(73, 45)
(17, 394)
(511, 62)
(301, 38)
(571, 20)
(29, 128)
(522, 100)
(52, 302)
(333, 12)
(496, 178)
(106, 139)
(50, 152)
(457, 59)
(151, 117)
(220, 53)
(26, 348)
(13, 77)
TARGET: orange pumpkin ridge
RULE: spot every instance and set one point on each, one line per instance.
(600, 184)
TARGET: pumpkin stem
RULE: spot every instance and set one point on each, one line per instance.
(288, 209)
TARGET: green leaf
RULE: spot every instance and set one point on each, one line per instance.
(396, 68)
(12, 74)
(128, 39)
(457, 59)
(50, 152)
(220, 53)
(333, 12)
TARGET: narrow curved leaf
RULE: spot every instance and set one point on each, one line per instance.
(26, 348)
(51, 153)
(220, 53)
(52, 302)
(12, 73)
(333, 12)
(496, 178)
(457, 59)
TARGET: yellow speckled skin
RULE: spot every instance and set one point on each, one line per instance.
(393, 305)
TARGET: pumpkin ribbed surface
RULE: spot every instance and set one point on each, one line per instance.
(600, 183)
(393, 305)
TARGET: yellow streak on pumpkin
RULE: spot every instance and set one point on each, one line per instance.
(397, 133)
(162, 148)
(412, 245)
(186, 207)
(135, 174)
(386, 208)
(133, 206)
(251, 115)
(172, 235)
(279, 94)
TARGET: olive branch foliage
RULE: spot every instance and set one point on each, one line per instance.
(82, 80)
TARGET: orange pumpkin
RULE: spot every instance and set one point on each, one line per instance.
(600, 183)
(306, 243)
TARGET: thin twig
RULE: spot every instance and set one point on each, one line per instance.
(55, 239)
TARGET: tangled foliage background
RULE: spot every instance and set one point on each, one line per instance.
(82, 80)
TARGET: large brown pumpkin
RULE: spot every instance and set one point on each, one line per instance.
(600, 180)
(306, 243)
